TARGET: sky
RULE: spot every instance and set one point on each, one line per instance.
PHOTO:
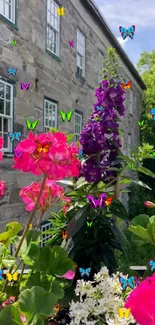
(140, 13)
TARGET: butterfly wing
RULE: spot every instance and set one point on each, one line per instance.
(93, 202)
(123, 282)
(17, 136)
(139, 123)
(63, 116)
(1, 273)
(11, 136)
(46, 147)
(129, 84)
(15, 276)
(152, 111)
(87, 271)
(152, 264)
(82, 271)
(109, 200)
(123, 85)
(28, 123)
(123, 32)
(26, 87)
(69, 115)
(131, 31)
(39, 147)
(22, 85)
(58, 11)
(34, 124)
(9, 276)
(130, 282)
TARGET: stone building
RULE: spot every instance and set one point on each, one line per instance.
(34, 40)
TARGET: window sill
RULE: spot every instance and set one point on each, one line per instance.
(82, 79)
(14, 26)
(53, 55)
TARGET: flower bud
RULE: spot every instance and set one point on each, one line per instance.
(149, 204)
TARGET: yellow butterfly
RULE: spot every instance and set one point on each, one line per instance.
(123, 312)
(61, 11)
(11, 277)
(30, 226)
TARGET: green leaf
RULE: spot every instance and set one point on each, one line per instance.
(127, 180)
(12, 229)
(29, 251)
(70, 137)
(10, 315)
(146, 171)
(66, 182)
(36, 302)
(141, 232)
(78, 220)
(53, 261)
(118, 209)
(8, 261)
(141, 220)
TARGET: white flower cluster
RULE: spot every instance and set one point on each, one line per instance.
(103, 299)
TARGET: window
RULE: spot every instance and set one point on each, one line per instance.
(44, 227)
(77, 125)
(7, 9)
(6, 113)
(100, 65)
(50, 114)
(53, 27)
(80, 58)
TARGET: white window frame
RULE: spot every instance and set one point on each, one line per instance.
(100, 64)
(78, 115)
(44, 227)
(50, 102)
(12, 11)
(53, 23)
(80, 55)
(9, 117)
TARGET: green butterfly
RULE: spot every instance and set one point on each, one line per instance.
(89, 224)
(140, 123)
(31, 125)
(153, 154)
(132, 166)
(65, 116)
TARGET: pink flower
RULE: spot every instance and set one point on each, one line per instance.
(2, 188)
(23, 318)
(141, 301)
(1, 146)
(149, 204)
(51, 195)
(69, 275)
(58, 161)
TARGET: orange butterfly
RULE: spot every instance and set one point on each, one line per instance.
(128, 85)
(64, 234)
(57, 308)
(109, 200)
(43, 147)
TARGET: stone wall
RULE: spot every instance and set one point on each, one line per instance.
(57, 81)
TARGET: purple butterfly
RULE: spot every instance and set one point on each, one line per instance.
(25, 86)
(17, 154)
(97, 202)
(71, 43)
(137, 281)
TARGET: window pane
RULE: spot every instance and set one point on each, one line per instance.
(8, 92)
(1, 90)
(5, 137)
(5, 125)
(1, 106)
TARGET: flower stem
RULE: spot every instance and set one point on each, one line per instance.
(27, 226)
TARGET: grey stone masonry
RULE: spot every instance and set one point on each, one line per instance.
(57, 80)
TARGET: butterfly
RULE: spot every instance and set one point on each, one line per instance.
(11, 277)
(17, 154)
(9, 301)
(99, 108)
(30, 226)
(31, 125)
(153, 154)
(127, 32)
(64, 234)
(123, 312)
(13, 42)
(127, 85)
(132, 166)
(152, 111)
(96, 202)
(66, 115)
(57, 308)
(85, 271)
(137, 281)
(1, 274)
(109, 200)
(89, 224)
(14, 136)
(12, 71)
(61, 11)
(152, 264)
(127, 282)
(43, 147)
(25, 86)
(140, 123)
(71, 43)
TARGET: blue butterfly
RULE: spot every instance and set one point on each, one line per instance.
(14, 136)
(85, 271)
(127, 32)
(1, 272)
(12, 71)
(152, 111)
(127, 282)
(152, 264)
(99, 108)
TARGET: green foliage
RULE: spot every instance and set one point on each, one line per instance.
(12, 229)
(143, 229)
(111, 67)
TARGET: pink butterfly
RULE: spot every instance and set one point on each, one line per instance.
(17, 154)
(71, 43)
(137, 281)
(97, 202)
(25, 86)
